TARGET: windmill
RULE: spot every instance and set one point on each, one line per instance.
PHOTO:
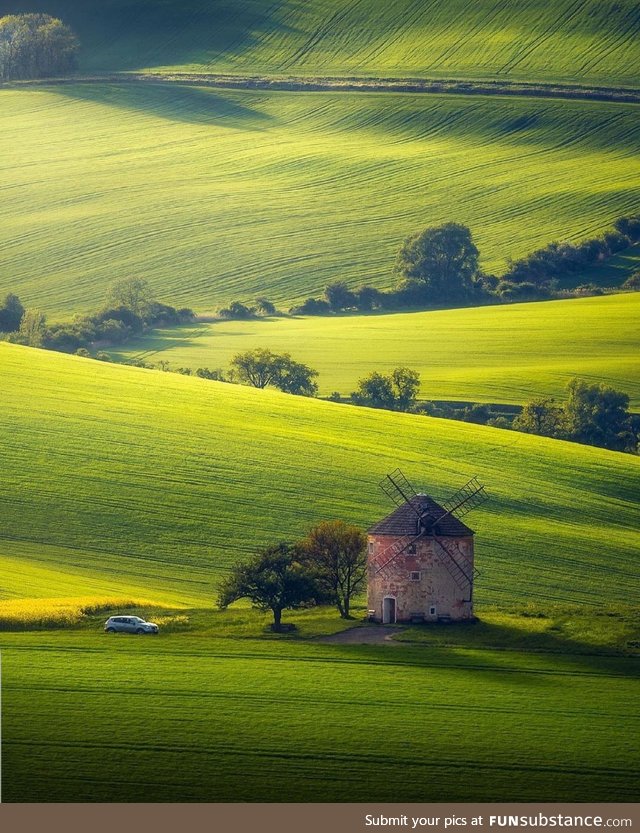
(434, 522)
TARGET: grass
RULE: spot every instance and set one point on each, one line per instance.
(245, 720)
(215, 195)
(463, 354)
(127, 478)
(557, 629)
(591, 41)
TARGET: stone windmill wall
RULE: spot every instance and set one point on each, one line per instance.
(423, 583)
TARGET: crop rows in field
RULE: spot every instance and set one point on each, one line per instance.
(583, 40)
(215, 195)
(504, 354)
(158, 483)
(222, 720)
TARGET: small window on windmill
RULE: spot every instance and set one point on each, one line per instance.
(432, 611)
(370, 546)
(415, 575)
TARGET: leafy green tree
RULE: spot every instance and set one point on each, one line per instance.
(339, 296)
(597, 414)
(237, 311)
(258, 368)
(36, 46)
(262, 367)
(375, 391)
(406, 384)
(441, 261)
(33, 328)
(368, 298)
(337, 554)
(296, 378)
(629, 226)
(312, 306)
(273, 580)
(133, 294)
(396, 392)
(265, 307)
(11, 312)
(542, 417)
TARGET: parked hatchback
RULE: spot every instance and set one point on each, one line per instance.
(129, 624)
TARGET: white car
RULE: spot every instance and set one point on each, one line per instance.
(129, 624)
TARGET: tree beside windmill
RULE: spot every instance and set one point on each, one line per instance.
(420, 557)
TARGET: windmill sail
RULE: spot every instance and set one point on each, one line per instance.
(399, 489)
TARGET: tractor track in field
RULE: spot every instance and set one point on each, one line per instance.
(628, 95)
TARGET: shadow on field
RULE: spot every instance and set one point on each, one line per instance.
(173, 102)
(140, 34)
(586, 653)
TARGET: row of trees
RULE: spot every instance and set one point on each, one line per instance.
(560, 260)
(593, 414)
(327, 567)
(36, 46)
(131, 308)
(440, 266)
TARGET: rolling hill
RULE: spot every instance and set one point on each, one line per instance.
(153, 483)
(503, 354)
(214, 195)
(574, 40)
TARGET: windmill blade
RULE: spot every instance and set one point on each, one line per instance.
(451, 556)
(399, 489)
(470, 496)
(393, 551)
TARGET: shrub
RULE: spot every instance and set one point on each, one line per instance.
(11, 312)
(265, 307)
(312, 306)
(238, 311)
(633, 282)
(369, 298)
(339, 296)
(213, 375)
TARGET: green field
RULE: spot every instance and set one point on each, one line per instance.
(574, 40)
(215, 195)
(228, 720)
(151, 484)
(125, 488)
(503, 354)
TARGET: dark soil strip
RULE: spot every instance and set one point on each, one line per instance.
(367, 85)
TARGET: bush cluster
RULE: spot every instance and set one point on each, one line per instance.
(561, 260)
(131, 310)
(439, 267)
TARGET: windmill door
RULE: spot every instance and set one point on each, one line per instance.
(389, 611)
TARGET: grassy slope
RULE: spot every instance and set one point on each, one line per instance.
(531, 728)
(118, 473)
(493, 354)
(577, 40)
(216, 195)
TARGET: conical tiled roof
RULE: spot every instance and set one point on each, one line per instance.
(404, 520)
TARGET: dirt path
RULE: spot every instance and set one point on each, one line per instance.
(353, 84)
(364, 635)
